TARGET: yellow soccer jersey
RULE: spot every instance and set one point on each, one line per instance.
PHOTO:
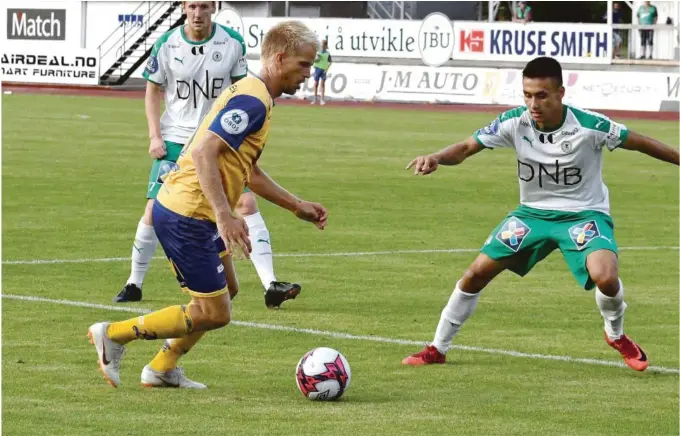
(240, 117)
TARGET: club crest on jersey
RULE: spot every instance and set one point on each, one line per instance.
(491, 129)
(583, 233)
(512, 233)
(566, 147)
(217, 56)
(152, 64)
(234, 121)
(164, 169)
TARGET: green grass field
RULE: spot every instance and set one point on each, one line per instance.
(74, 178)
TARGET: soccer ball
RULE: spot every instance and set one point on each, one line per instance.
(323, 374)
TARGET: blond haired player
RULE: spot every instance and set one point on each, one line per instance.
(193, 213)
(192, 64)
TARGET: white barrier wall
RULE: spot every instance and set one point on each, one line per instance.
(597, 89)
(56, 42)
(587, 89)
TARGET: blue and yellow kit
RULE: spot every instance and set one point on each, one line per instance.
(182, 216)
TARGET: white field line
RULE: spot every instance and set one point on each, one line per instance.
(336, 254)
(348, 336)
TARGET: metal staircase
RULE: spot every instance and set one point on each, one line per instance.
(131, 42)
(389, 10)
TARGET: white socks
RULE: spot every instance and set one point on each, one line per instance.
(142, 252)
(261, 256)
(461, 305)
(612, 309)
(458, 309)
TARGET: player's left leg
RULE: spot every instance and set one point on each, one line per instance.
(589, 247)
(603, 269)
(163, 370)
(276, 292)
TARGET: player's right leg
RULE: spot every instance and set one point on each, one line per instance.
(146, 242)
(517, 243)
(458, 309)
(143, 249)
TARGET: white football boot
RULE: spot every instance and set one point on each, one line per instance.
(109, 352)
(174, 378)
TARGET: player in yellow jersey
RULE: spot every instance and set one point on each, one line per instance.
(193, 213)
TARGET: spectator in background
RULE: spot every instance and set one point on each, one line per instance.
(617, 18)
(321, 65)
(647, 15)
(523, 13)
(617, 13)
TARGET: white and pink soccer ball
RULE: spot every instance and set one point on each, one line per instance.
(323, 374)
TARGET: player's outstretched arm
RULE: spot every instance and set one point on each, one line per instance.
(152, 107)
(263, 185)
(451, 155)
(651, 147)
(205, 155)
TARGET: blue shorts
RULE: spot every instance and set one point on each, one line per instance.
(193, 248)
(319, 74)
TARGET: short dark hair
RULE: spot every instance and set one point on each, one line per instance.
(543, 67)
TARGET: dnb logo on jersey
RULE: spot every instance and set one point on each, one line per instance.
(583, 233)
(512, 233)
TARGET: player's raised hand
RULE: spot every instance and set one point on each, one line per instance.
(312, 212)
(157, 148)
(234, 232)
(424, 164)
